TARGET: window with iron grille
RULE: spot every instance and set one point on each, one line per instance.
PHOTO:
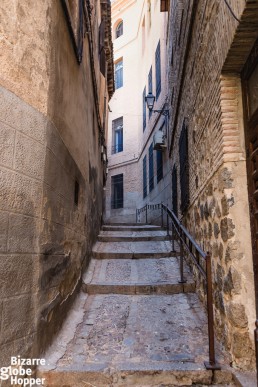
(117, 134)
(117, 191)
(174, 190)
(150, 87)
(184, 168)
(119, 74)
(144, 168)
(158, 71)
(151, 169)
(159, 165)
(119, 29)
(144, 109)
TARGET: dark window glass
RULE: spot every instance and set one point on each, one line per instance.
(119, 29)
(117, 141)
(184, 169)
(144, 109)
(150, 86)
(158, 71)
(151, 169)
(174, 191)
(159, 165)
(144, 165)
(117, 191)
(119, 74)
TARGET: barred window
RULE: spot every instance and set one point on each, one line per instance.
(144, 168)
(174, 191)
(119, 74)
(117, 135)
(151, 169)
(184, 168)
(159, 165)
(144, 109)
(117, 191)
(158, 71)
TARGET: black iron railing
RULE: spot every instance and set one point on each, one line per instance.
(201, 260)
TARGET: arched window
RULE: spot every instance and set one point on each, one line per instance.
(119, 29)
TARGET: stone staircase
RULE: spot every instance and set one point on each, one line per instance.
(134, 324)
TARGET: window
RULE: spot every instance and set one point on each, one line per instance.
(119, 74)
(144, 109)
(158, 71)
(174, 191)
(144, 167)
(117, 191)
(151, 169)
(159, 165)
(119, 29)
(184, 168)
(117, 135)
(150, 86)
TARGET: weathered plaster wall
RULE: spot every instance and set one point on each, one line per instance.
(218, 213)
(50, 138)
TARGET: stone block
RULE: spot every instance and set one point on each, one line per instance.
(227, 228)
(216, 230)
(18, 275)
(233, 251)
(22, 234)
(21, 116)
(4, 217)
(236, 315)
(7, 136)
(24, 347)
(29, 157)
(232, 282)
(18, 318)
(241, 345)
(225, 179)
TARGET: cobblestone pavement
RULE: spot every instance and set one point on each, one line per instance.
(115, 340)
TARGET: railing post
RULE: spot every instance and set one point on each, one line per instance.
(211, 365)
(167, 224)
(136, 221)
(182, 280)
(146, 214)
(161, 215)
(173, 237)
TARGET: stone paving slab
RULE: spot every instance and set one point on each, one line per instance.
(120, 236)
(141, 276)
(109, 250)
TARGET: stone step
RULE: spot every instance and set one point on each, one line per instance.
(126, 224)
(128, 238)
(130, 228)
(131, 250)
(140, 276)
(121, 340)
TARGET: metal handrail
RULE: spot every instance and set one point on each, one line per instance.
(187, 241)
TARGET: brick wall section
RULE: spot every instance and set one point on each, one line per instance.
(206, 94)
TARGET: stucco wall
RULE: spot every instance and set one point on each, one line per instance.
(50, 139)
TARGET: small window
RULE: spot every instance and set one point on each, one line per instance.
(158, 71)
(151, 169)
(117, 127)
(119, 29)
(119, 74)
(144, 168)
(159, 165)
(76, 192)
(144, 109)
(117, 191)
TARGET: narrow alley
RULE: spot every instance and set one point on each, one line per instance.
(128, 193)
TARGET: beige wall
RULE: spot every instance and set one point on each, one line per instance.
(207, 95)
(137, 46)
(50, 139)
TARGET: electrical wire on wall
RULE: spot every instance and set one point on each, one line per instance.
(235, 17)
